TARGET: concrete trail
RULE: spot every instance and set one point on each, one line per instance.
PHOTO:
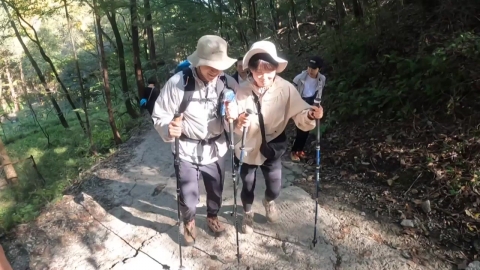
(116, 223)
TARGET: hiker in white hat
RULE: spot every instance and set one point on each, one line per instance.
(273, 101)
(196, 94)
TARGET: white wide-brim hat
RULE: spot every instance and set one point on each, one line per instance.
(265, 47)
(211, 51)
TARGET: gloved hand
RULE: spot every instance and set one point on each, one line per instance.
(143, 102)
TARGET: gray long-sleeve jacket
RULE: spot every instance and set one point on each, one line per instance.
(299, 82)
(200, 121)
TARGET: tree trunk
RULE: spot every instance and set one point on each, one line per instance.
(10, 172)
(341, 12)
(357, 9)
(121, 63)
(273, 12)
(29, 103)
(26, 96)
(2, 99)
(13, 93)
(137, 65)
(41, 77)
(309, 7)
(80, 81)
(254, 18)
(149, 30)
(54, 70)
(111, 119)
(293, 17)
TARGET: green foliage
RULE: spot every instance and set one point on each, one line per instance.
(59, 163)
(380, 69)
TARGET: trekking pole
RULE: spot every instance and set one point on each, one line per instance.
(177, 119)
(235, 180)
(234, 177)
(317, 176)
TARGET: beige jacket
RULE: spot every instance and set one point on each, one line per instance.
(280, 103)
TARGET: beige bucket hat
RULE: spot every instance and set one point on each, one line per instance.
(265, 47)
(211, 51)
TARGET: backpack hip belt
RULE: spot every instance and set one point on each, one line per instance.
(203, 142)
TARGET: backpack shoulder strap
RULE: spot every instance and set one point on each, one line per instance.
(235, 76)
(224, 80)
(189, 82)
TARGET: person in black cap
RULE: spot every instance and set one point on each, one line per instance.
(150, 94)
(310, 84)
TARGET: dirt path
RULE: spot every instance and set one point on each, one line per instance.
(114, 222)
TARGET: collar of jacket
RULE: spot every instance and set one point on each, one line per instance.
(305, 74)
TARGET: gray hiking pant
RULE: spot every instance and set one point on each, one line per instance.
(213, 176)
(272, 171)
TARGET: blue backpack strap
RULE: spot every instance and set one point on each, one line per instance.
(182, 66)
(189, 82)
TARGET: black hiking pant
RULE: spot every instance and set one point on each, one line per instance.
(272, 171)
(213, 175)
(302, 136)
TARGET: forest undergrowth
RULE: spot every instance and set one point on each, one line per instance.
(402, 123)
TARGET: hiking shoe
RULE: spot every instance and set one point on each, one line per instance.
(215, 226)
(247, 223)
(294, 156)
(189, 232)
(301, 154)
(270, 210)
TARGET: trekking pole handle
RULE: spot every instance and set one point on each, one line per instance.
(244, 135)
(177, 118)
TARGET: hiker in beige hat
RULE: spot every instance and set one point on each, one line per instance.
(273, 101)
(196, 93)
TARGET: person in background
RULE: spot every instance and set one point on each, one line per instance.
(310, 84)
(240, 75)
(150, 95)
(200, 129)
(273, 101)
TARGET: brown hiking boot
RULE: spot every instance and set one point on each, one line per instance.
(247, 223)
(215, 226)
(270, 210)
(294, 156)
(189, 232)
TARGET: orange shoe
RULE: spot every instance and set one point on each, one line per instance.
(302, 154)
